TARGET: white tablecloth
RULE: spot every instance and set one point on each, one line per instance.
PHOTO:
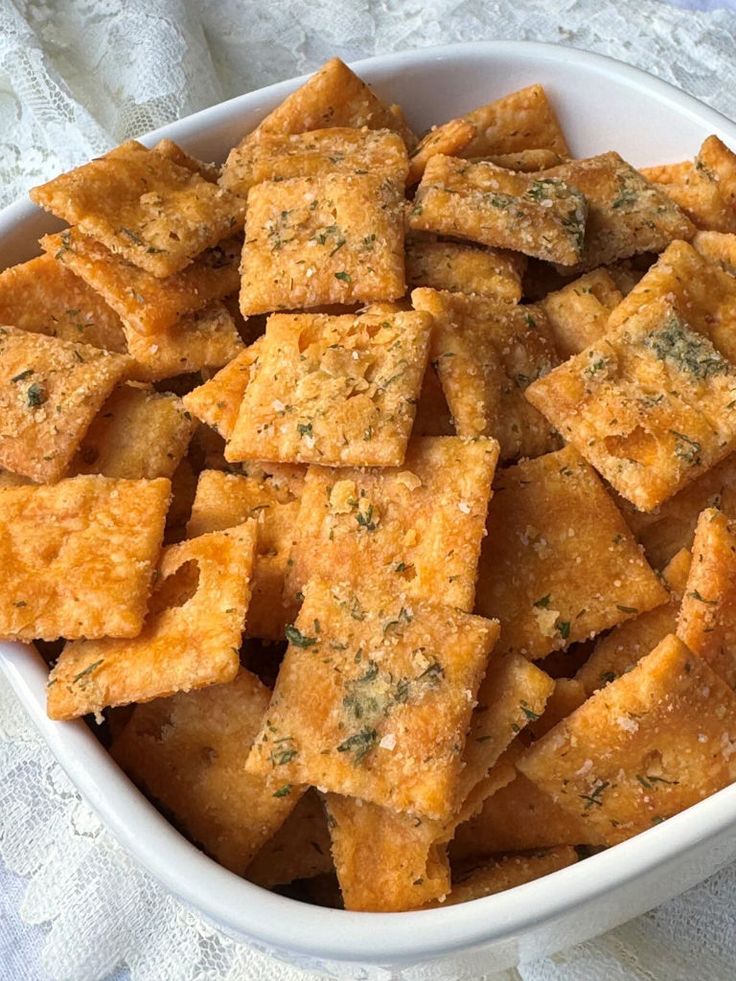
(76, 78)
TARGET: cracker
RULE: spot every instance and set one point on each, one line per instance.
(209, 171)
(704, 189)
(373, 698)
(433, 416)
(519, 817)
(78, 557)
(50, 391)
(626, 213)
(703, 294)
(43, 297)
(334, 96)
(217, 402)
(512, 695)
(507, 873)
(205, 339)
(340, 391)
(386, 862)
(645, 747)
(139, 433)
(717, 247)
(188, 753)
(568, 695)
(539, 216)
(417, 527)
(526, 161)
(143, 206)
(652, 405)
(225, 500)
(190, 639)
(335, 238)
(618, 651)
(146, 303)
(707, 620)
(280, 156)
(462, 268)
(300, 849)
(523, 120)
(578, 313)
(559, 563)
(670, 528)
(486, 353)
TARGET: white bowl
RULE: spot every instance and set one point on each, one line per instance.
(603, 105)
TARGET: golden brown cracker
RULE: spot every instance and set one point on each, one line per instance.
(462, 268)
(190, 639)
(217, 401)
(43, 297)
(559, 563)
(486, 353)
(50, 391)
(188, 753)
(650, 744)
(311, 241)
(78, 557)
(146, 303)
(578, 313)
(340, 391)
(300, 849)
(138, 433)
(143, 206)
(416, 528)
(373, 697)
(539, 216)
(476, 881)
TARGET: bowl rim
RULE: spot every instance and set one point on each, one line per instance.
(275, 922)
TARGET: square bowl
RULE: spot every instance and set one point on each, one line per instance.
(603, 105)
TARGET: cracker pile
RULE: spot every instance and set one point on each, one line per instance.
(378, 496)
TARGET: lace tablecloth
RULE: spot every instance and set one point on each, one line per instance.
(78, 77)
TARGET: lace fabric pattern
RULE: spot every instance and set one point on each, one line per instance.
(77, 78)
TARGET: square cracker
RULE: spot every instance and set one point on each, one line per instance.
(224, 500)
(280, 156)
(334, 96)
(523, 120)
(652, 405)
(139, 433)
(78, 557)
(188, 753)
(417, 527)
(707, 620)
(539, 216)
(700, 290)
(385, 862)
(143, 206)
(145, 303)
(340, 391)
(670, 528)
(43, 297)
(207, 338)
(486, 353)
(475, 881)
(704, 189)
(315, 241)
(519, 817)
(559, 564)
(626, 213)
(643, 748)
(209, 171)
(300, 849)
(718, 247)
(462, 268)
(191, 637)
(373, 698)
(620, 649)
(217, 401)
(578, 313)
(50, 391)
